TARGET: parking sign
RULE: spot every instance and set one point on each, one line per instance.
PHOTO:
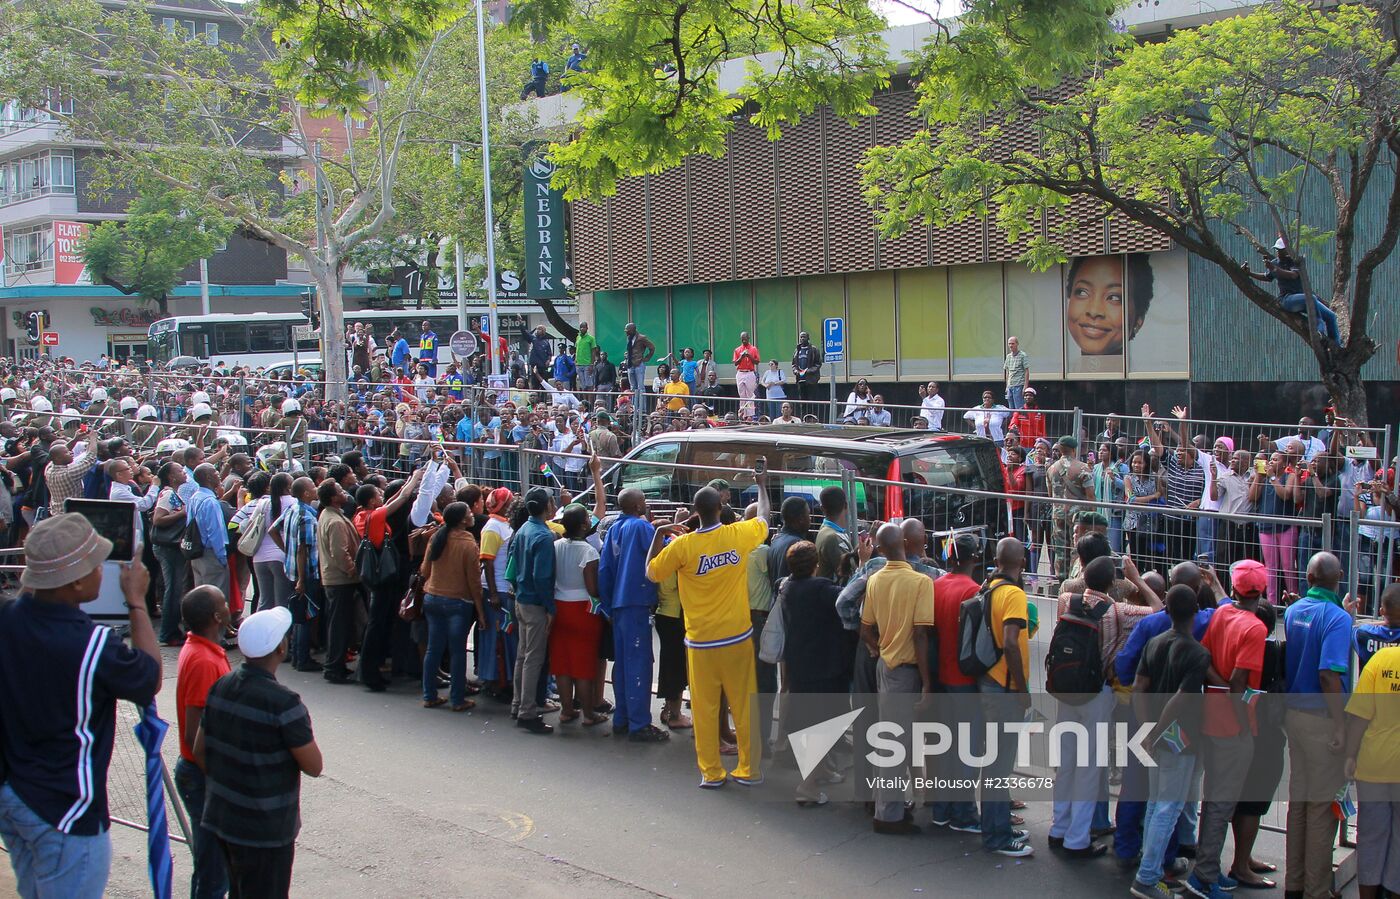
(834, 339)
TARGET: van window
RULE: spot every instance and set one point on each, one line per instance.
(814, 471)
(966, 465)
(717, 461)
(654, 481)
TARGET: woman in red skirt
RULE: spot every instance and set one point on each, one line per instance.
(573, 640)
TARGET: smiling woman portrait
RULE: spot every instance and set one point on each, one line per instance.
(1106, 302)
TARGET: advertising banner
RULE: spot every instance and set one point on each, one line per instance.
(544, 233)
(68, 265)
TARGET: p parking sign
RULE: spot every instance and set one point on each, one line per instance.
(834, 339)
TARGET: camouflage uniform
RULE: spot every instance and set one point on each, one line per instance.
(1066, 479)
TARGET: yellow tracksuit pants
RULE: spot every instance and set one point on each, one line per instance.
(726, 671)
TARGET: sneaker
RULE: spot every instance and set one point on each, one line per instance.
(1195, 887)
(1227, 883)
(944, 823)
(1015, 850)
(712, 784)
(970, 828)
(649, 734)
(1158, 890)
(1093, 850)
(747, 781)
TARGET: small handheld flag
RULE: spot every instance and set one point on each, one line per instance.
(1344, 805)
(1250, 696)
(1174, 738)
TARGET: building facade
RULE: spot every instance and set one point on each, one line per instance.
(776, 236)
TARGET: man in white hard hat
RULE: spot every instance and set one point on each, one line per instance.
(41, 415)
(293, 424)
(101, 406)
(146, 433)
(9, 401)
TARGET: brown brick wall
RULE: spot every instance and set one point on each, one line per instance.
(794, 207)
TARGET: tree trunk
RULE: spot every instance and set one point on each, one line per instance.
(566, 330)
(1343, 381)
(329, 296)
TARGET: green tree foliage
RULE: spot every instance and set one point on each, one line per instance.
(1211, 136)
(228, 126)
(164, 234)
(652, 93)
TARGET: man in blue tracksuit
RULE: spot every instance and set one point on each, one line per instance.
(630, 596)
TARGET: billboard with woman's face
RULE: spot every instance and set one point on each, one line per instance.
(1125, 312)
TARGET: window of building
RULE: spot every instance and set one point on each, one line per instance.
(29, 248)
(49, 172)
(211, 33)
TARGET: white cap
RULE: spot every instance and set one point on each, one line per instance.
(129, 403)
(1279, 244)
(146, 411)
(289, 406)
(41, 404)
(98, 394)
(233, 438)
(7, 394)
(261, 632)
(172, 445)
(200, 410)
(68, 416)
(199, 397)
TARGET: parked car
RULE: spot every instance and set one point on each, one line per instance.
(806, 458)
(310, 366)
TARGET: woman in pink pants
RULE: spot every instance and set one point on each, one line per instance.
(1274, 493)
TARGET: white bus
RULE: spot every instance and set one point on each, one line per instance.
(265, 338)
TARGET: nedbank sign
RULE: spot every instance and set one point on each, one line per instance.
(544, 232)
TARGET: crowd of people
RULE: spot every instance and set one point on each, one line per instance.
(395, 567)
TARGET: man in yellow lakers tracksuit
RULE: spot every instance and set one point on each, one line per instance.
(711, 568)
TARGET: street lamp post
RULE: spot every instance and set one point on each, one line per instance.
(492, 353)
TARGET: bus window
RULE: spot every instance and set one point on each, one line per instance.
(194, 342)
(230, 338)
(267, 338)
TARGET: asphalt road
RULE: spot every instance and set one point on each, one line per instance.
(427, 803)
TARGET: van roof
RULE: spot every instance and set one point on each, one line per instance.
(850, 437)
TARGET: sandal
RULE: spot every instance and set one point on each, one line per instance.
(566, 717)
(678, 722)
(465, 706)
(1262, 867)
(593, 720)
(1017, 805)
(728, 748)
(434, 703)
(1263, 883)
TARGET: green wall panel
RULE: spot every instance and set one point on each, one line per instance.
(611, 313)
(649, 312)
(775, 308)
(923, 323)
(690, 318)
(823, 297)
(975, 292)
(870, 325)
(732, 305)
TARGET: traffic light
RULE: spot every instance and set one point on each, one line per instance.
(34, 326)
(310, 309)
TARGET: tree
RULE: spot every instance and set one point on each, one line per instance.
(243, 126)
(164, 234)
(435, 204)
(651, 93)
(1212, 136)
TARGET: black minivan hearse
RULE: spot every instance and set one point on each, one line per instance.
(805, 458)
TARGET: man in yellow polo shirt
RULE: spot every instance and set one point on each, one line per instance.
(1373, 761)
(895, 623)
(711, 568)
(676, 391)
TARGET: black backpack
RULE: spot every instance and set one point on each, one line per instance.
(978, 651)
(192, 543)
(1074, 671)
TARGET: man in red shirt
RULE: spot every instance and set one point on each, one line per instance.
(1235, 638)
(1029, 421)
(746, 359)
(957, 809)
(202, 662)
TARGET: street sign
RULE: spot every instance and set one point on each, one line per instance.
(834, 339)
(303, 332)
(49, 338)
(463, 344)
